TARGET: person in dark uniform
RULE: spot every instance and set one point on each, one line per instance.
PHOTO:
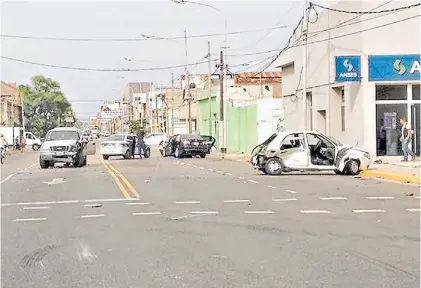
(133, 146)
(141, 142)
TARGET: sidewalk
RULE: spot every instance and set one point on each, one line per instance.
(10, 152)
(395, 170)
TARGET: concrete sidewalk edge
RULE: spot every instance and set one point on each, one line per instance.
(390, 176)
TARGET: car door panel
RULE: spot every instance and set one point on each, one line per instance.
(294, 151)
(210, 141)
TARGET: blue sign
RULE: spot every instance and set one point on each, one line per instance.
(348, 68)
(394, 67)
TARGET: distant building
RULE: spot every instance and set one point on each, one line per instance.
(10, 105)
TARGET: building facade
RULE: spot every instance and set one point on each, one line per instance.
(359, 81)
(10, 106)
(134, 102)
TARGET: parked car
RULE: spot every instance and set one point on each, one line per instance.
(120, 145)
(154, 139)
(308, 151)
(32, 141)
(117, 145)
(181, 145)
(63, 145)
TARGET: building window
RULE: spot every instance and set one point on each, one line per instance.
(391, 92)
(415, 92)
(342, 94)
(388, 128)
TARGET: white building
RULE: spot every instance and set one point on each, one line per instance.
(363, 74)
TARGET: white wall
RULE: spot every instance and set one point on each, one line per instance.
(270, 113)
(400, 38)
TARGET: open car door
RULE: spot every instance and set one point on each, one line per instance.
(210, 141)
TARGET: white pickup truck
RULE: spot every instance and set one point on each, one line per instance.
(30, 139)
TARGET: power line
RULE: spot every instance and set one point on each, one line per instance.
(269, 32)
(144, 37)
(100, 69)
(335, 37)
(287, 46)
(278, 51)
(360, 31)
(315, 33)
(366, 12)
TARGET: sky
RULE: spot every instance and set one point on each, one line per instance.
(117, 19)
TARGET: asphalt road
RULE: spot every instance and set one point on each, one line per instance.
(162, 222)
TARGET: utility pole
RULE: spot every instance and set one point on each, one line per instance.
(210, 89)
(172, 104)
(329, 96)
(157, 113)
(304, 103)
(187, 87)
(221, 106)
(23, 115)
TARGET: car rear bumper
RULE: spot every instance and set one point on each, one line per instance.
(195, 150)
(113, 151)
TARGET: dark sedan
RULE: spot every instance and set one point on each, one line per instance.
(181, 145)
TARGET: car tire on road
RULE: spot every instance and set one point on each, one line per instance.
(35, 147)
(353, 167)
(105, 157)
(127, 155)
(44, 164)
(147, 153)
(273, 166)
(202, 155)
(178, 153)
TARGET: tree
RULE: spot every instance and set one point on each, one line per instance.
(135, 126)
(45, 105)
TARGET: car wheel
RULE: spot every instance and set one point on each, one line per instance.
(202, 155)
(177, 153)
(43, 164)
(273, 166)
(76, 162)
(35, 147)
(353, 167)
(147, 153)
(105, 157)
(127, 155)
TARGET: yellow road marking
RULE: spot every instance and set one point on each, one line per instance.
(116, 180)
(125, 181)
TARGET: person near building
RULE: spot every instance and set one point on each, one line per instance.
(17, 143)
(22, 143)
(406, 135)
(3, 142)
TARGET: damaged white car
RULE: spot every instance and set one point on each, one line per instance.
(308, 151)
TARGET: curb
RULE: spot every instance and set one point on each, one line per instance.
(391, 176)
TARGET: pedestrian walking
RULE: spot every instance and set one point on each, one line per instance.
(22, 144)
(406, 136)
